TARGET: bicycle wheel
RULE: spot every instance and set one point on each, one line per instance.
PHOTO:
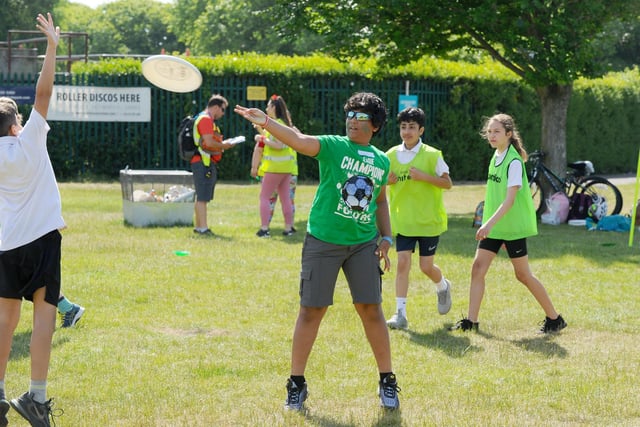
(539, 197)
(598, 186)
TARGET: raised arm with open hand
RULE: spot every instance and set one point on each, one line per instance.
(303, 144)
(44, 87)
(45, 24)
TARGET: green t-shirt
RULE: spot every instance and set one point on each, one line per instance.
(416, 207)
(520, 221)
(343, 211)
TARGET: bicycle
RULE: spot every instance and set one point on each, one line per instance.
(578, 180)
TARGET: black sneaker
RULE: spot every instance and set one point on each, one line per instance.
(288, 232)
(466, 325)
(263, 233)
(205, 233)
(36, 413)
(295, 395)
(553, 325)
(4, 408)
(388, 392)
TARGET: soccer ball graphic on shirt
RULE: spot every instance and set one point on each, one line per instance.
(357, 192)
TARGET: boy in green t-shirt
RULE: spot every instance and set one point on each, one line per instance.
(348, 214)
(418, 176)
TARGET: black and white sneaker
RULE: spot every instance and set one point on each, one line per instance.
(35, 412)
(465, 325)
(263, 233)
(295, 395)
(388, 391)
(552, 325)
(203, 233)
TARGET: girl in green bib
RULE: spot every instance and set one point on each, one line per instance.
(508, 218)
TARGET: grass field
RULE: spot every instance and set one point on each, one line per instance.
(204, 339)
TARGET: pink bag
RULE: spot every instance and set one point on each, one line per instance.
(557, 209)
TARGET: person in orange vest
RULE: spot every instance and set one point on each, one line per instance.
(210, 144)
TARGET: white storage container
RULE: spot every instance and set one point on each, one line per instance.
(157, 197)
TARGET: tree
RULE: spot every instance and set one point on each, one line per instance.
(21, 14)
(620, 45)
(227, 26)
(547, 43)
(133, 27)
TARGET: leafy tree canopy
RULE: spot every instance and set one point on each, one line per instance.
(545, 42)
(21, 14)
(223, 26)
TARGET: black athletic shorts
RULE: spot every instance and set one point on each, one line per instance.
(30, 267)
(515, 248)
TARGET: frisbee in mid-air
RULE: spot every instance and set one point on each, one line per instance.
(171, 73)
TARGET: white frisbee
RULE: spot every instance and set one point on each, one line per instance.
(171, 73)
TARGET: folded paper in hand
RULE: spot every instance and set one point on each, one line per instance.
(235, 140)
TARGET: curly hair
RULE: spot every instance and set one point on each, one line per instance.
(371, 104)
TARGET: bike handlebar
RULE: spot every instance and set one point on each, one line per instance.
(537, 154)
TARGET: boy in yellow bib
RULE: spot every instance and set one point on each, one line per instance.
(418, 176)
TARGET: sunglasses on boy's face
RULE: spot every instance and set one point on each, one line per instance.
(359, 116)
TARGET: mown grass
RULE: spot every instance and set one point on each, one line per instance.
(204, 339)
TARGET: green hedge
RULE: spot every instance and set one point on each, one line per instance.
(603, 114)
(604, 121)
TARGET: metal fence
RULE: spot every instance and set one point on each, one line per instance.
(101, 149)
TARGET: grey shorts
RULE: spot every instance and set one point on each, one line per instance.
(321, 263)
(26, 269)
(204, 179)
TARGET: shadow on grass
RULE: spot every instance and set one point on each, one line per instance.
(543, 345)
(451, 343)
(389, 418)
(458, 343)
(214, 236)
(318, 420)
(552, 242)
(20, 344)
(297, 238)
(385, 418)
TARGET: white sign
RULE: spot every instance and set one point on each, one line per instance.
(100, 104)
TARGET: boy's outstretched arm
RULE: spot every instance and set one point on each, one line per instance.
(303, 144)
(44, 86)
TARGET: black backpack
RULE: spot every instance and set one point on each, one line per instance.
(579, 206)
(186, 144)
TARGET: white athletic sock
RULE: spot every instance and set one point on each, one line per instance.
(442, 286)
(401, 306)
(39, 390)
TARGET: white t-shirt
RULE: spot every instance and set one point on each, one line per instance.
(515, 171)
(405, 155)
(30, 204)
